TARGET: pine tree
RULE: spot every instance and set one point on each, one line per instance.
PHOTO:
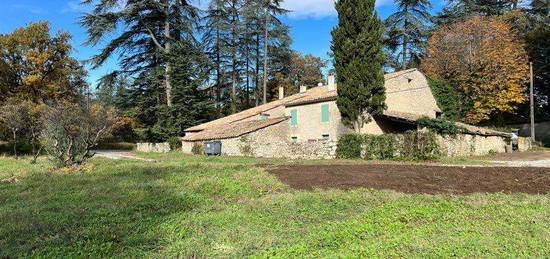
(358, 61)
(460, 10)
(144, 28)
(407, 31)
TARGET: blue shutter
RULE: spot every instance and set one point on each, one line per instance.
(293, 117)
(324, 113)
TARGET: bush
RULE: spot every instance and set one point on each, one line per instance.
(71, 131)
(22, 147)
(382, 147)
(197, 149)
(175, 143)
(349, 146)
(413, 145)
(419, 146)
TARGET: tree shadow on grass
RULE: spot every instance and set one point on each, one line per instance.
(91, 214)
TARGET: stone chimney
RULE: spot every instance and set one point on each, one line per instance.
(331, 82)
(303, 89)
(281, 93)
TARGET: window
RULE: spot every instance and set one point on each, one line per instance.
(293, 117)
(264, 117)
(326, 136)
(294, 139)
(324, 113)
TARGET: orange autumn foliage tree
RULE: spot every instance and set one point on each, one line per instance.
(485, 61)
(37, 67)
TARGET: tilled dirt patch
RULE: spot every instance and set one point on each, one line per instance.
(417, 178)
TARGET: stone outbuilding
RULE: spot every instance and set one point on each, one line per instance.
(308, 124)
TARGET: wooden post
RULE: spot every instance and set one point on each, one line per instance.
(532, 103)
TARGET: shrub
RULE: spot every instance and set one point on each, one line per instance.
(197, 149)
(413, 145)
(349, 146)
(419, 146)
(175, 143)
(71, 131)
(384, 147)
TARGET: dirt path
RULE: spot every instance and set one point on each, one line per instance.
(117, 154)
(523, 159)
(417, 178)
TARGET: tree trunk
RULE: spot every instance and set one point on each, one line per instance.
(218, 89)
(234, 61)
(404, 50)
(168, 69)
(14, 143)
(265, 54)
(257, 74)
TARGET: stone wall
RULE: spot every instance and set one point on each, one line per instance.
(272, 142)
(153, 147)
(472, 145)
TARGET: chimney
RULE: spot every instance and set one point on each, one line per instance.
(303, 89)
(281, 93)
(331, 82)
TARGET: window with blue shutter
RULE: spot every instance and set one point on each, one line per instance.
(293, 117)
(324, 113)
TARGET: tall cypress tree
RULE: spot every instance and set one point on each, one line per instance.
(358, 61)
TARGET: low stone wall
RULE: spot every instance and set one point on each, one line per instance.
(273, 142)
(318, 149)
(472, 145)
(267, 143)
(153, 147)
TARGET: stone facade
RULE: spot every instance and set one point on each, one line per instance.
(153, 147)
(410, 93)
(273, 142)
(472, 145)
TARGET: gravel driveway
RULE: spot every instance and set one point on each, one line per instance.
(118, 154)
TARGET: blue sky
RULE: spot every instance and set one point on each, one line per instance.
(311, 22)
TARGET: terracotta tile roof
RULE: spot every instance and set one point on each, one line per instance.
(232, 130)
(246, 113)
(470, 129)
(320, 95)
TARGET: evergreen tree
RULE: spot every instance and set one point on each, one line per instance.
(460, 10)
(272, 8)
(358, 61)
(407, 31)
(143, 28)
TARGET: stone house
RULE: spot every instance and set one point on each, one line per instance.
(308, 124)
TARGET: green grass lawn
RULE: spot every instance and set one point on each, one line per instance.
(191, 206)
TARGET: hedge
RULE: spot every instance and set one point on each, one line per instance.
(412, 145)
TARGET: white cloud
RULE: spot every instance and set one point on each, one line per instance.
(316, 8)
